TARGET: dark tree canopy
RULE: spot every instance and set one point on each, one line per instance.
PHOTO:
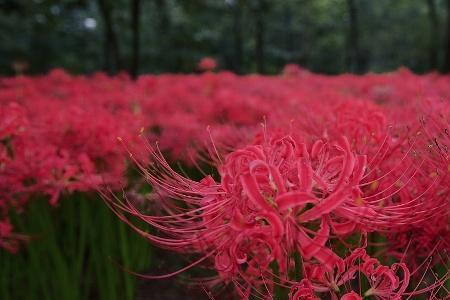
(329, 36)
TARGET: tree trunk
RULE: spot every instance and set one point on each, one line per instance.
(434, 34)
(259, 37)
(111, 44)
(289, 36)
(237, 29)
(163, 22)
(446, 68)
(162, 60)
(135, 27)
(354, 57)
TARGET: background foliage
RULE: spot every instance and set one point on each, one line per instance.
(330, 36)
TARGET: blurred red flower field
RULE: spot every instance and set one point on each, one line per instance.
(295, 186)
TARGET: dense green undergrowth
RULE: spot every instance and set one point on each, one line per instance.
(75, 252)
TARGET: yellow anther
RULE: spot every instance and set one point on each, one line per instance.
(359, 201)
(273, 185)
(335, 287)
(369, 293)
(399, 183)
(136, 108)
(374, 185)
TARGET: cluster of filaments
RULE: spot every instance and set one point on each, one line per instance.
(293, 215)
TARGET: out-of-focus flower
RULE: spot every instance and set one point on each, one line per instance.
(302, 291)
(351, 296)
(207, 64)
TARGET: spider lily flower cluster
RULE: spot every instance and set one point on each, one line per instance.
(282, 213)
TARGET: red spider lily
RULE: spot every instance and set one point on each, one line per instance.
(351, 296)
(12, 120)
(302, 291)
(207, 64)
(6, 240)
(9, 240)
(270, 197)
(384, 281)
(52, 143)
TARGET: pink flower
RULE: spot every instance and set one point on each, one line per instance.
(207, 64)
(351, 296)
(302, 291)
(12, 120)
(293, 70)
(5, 228)
(269, 196)
(8, 240)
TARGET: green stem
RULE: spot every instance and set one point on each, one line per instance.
(298, 266)
(126, 260)
(281, 293)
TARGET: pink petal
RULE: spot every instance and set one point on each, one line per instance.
(326, 206)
